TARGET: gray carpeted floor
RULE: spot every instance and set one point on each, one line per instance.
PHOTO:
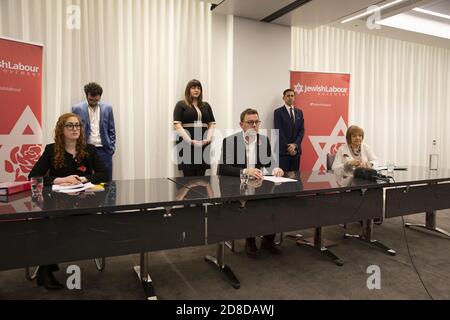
(299, 273)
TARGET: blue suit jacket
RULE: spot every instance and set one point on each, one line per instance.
(282, 122)
(107, 127)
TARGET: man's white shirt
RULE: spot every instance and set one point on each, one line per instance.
(94, 119)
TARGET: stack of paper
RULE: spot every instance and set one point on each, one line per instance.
(73, 188)
(278, 179)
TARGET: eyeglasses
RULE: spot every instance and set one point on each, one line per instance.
(73, 126)
(253, 122)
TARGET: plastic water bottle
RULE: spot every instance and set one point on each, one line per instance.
(434, 156)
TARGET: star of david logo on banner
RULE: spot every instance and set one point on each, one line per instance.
(298, 88)
(328, 144)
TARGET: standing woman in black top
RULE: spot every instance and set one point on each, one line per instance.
(194, 123)
(68, 161)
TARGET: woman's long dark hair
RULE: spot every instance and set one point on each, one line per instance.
(187, 93)
(58, 161)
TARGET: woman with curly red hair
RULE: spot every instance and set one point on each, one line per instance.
(68, 161)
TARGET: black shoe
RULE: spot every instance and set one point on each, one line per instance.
(378, 221)
(270, 246)
(53, 267)
(251, 249)
(46, 278)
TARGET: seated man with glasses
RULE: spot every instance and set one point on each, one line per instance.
(68, 161)
(247, 153)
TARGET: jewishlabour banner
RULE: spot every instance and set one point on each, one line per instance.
(20, 108)
(324, 99)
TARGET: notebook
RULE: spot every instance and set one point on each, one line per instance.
(9, 188)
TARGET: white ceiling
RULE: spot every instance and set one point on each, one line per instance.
(331, 12)
(251, 9)
(320, 12)
(310, 14)
(442, 6)
(398, 16)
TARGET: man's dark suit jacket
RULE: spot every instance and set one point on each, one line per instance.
(234, 159)
(282, 122)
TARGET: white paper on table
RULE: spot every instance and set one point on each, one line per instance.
(56, 187)
(72, 189)
(278, 179)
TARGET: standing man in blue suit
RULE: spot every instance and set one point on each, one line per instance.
(98, 123)
(290, 123)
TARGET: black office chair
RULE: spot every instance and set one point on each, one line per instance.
(30, 275)
(330, 160)
(100, 263)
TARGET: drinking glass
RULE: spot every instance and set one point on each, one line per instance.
(37, 185)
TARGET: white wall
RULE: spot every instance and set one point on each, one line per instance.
(143, 58)
(142, 52)
(399, 91)
(221, 81)
(262, 55)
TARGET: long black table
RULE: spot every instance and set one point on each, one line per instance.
(419, 190)
(140, 216)
(128, 217)
(238, 210)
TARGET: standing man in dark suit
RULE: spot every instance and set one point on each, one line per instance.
(98, 123)
(290, 123)
(247, 152)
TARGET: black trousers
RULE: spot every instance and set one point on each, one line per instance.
(193, 172)
(268, 237)
(289, 163)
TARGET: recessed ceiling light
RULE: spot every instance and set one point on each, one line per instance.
(417, 23)
(436, 14)
(366, 13)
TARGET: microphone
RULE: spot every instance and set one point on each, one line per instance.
(369, 174)
(365, 173)
(382, 176)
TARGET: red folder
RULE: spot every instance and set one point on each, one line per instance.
(9, 188)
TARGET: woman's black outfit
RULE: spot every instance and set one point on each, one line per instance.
(194, 161)
(91, 167)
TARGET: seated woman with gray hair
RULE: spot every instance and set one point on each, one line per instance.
(355, 153)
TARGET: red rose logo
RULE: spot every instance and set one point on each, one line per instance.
(82, 168)
(23, 160)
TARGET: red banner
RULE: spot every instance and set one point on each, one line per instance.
(323, 98)
(21, 108)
